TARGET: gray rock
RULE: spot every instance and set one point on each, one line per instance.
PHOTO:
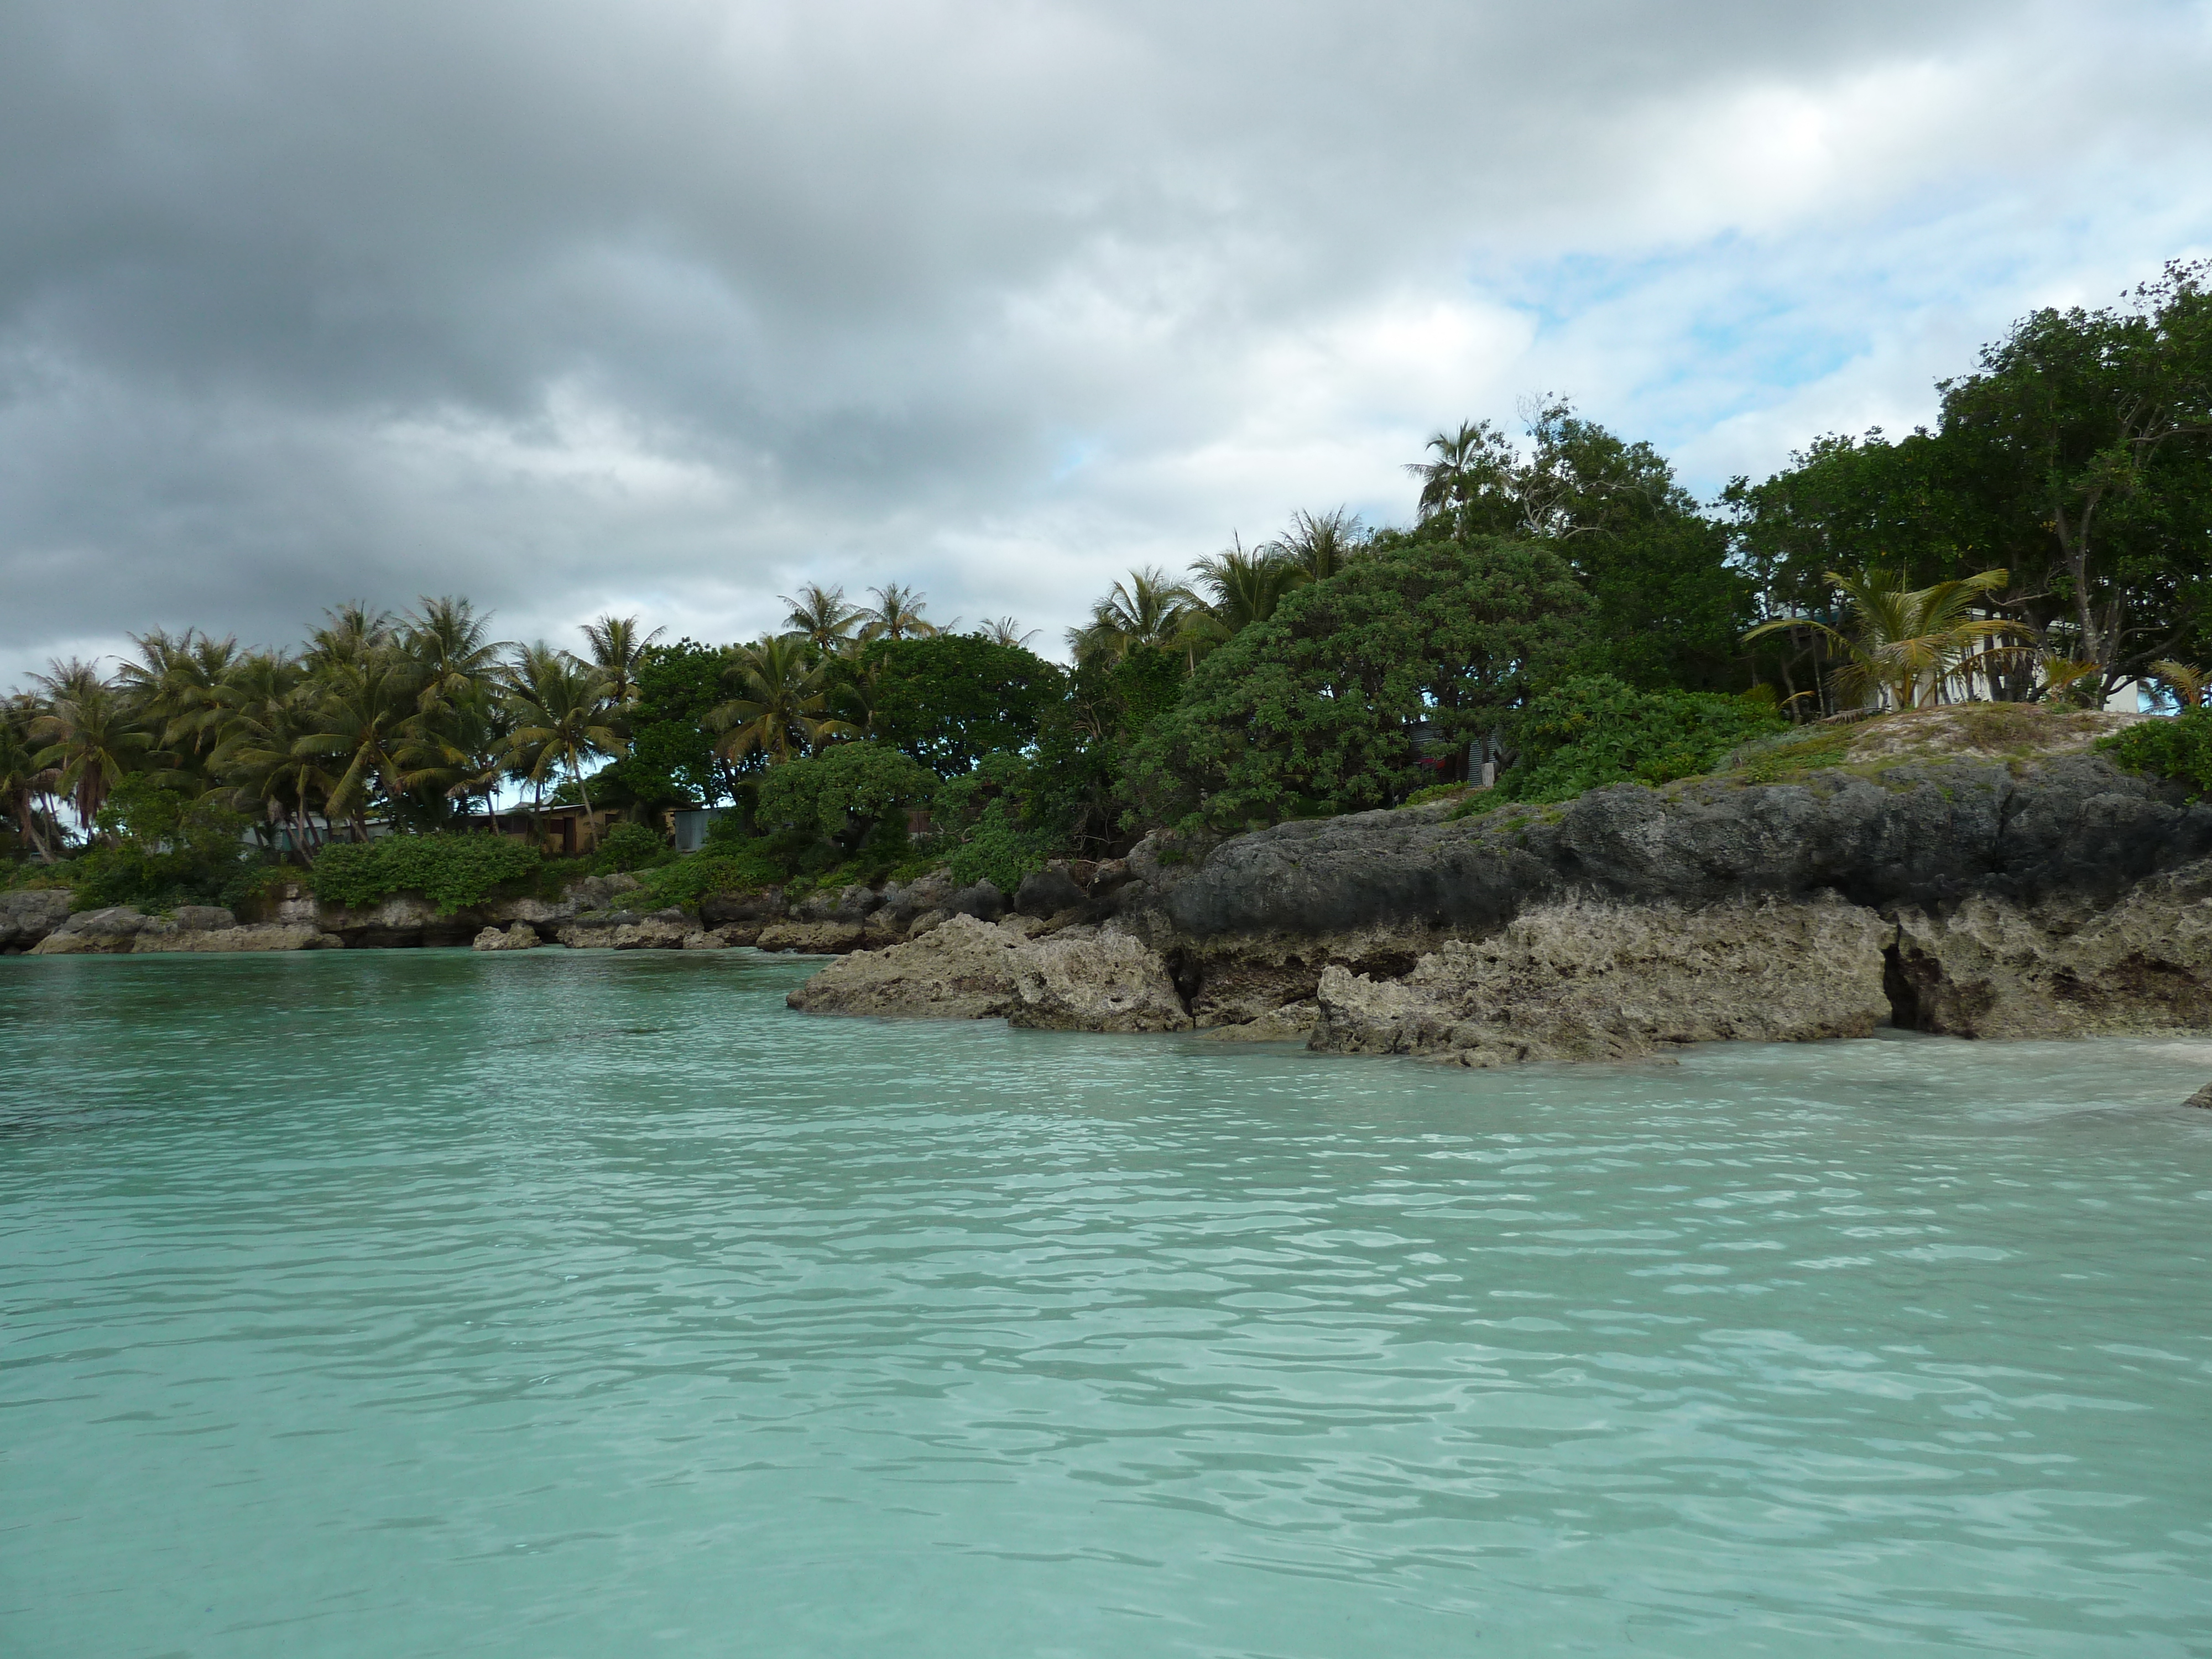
(116, 922)
(1104, 982)
(1048, 892)
(1587, 980)
(2202, 1097)
(718, 910)
(518, 936)
(963, 968)
(28, 916)
(202, 918)
(983, 901)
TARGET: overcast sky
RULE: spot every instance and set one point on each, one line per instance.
(668, 306)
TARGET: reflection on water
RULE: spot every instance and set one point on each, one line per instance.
(425, 1302)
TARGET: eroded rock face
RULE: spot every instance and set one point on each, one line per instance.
(1081, 980)
(961, 969)
(253, 936)
(518, 936)
(625, 930)
(1587, 980)
(28, 917)
(1993, 967)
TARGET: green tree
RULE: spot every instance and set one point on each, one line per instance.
(1666, 602)
(781, 708)
(844, 793)
(1317, 709)
(949, 700)
(1148, 610)
(561, 718)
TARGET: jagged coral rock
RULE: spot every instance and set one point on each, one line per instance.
(1081, 981)
(1586, 980)
(1995, 968)
(961, 969)
(521, 936)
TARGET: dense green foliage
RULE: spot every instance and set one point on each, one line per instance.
(161, 848)
(2078, 458)
(1596, 730)
(628, 847)
(845, 792)
(670, 759)
(949, 700)
(2179, 747)
(449, 870)
(1666, 604)
(1314, 710)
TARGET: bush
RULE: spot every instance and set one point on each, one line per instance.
(2179, 747)
(630, 846)
(161, 850)
(844, 792)
(1594, 731)
(450, 871)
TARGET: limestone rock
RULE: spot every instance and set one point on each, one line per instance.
(961, 969)
(756, 909)
(1587, 980)
(108, 931)
(983, 901)
(1107, 981)
(812, 938)
(1996, 968)
(1293, 1022)
(520, 936)
(1049, 891)
(201, 918)
(28, 916)
(625, 930)
(2202, 1097)
(253, 936)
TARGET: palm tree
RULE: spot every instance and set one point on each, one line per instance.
(175, 685)
(1909, 643)
(1318, 545)
(560, 708)
(823, 617)
(896, 615)
(1246, 586)
(1464, 461)
(91, 740)
(782, 705)
(22, 780)
(1147, 610)
(1005, 630)
(453, 648)
(364, 721)
(617, 650)
(267, 757)
(2186, 681)
(350, 632)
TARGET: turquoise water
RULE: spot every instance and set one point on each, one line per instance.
(578, 1304)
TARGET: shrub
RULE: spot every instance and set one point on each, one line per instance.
(450, 871)
(844, 792)
(2179, 747)
(1595, 729)
(628, 847)
(161, 848)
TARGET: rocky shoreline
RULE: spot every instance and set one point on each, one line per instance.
(2057, 897)
(1988, 898)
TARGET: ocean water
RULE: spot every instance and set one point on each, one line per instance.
(583, 1305)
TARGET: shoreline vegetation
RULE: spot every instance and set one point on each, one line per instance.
(1904, 646)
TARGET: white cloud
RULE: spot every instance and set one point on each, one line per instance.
(672, 306)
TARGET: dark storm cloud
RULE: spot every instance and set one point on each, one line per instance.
(671, 305)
